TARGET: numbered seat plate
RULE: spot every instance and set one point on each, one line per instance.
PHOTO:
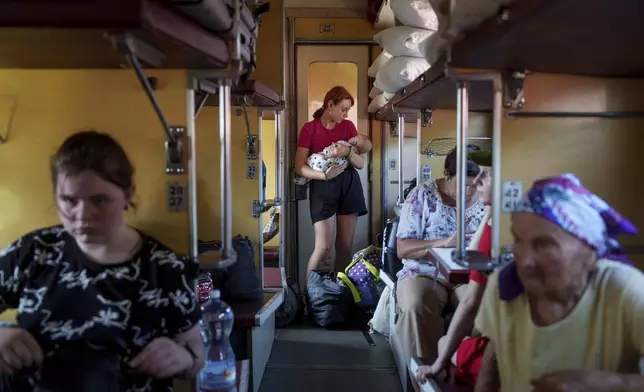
(511, 195)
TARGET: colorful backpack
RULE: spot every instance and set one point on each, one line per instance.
(362, 276)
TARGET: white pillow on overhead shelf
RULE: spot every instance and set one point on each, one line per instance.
(388, 96)
(374, 93)
(404, 41)
(377, 103)
(416, 13)
(399, 72)
(378, 63)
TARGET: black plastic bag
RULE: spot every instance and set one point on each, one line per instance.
(329, 303)
(240, 281)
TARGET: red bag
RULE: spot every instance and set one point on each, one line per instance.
(469, 357)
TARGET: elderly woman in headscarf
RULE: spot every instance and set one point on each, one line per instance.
(568, 313)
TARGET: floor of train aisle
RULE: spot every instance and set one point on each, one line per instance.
(311, 359)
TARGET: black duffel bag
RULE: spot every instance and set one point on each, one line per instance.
(240, 281)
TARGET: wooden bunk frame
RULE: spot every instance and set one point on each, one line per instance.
(435, 90)
(484, 71)
(574, 37)
(72, 34)
(100, 34)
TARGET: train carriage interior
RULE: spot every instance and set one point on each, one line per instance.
(192, 88)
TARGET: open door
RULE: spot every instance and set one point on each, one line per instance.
(319, 68)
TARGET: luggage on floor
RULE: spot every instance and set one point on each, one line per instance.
(380, 320)
(364, 276)
(329, 303)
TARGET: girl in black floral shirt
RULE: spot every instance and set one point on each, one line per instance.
(101, 306)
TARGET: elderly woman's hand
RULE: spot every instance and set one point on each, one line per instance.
(575, 381)
(450, 242)
(338, 150)
(426, 372)
(162, 358)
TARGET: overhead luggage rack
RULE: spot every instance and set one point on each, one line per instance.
(444, 145)
(436, 91)
(81, 34)
(578, 37)
(216, 17)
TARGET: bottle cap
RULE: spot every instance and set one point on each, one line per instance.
(215, 294)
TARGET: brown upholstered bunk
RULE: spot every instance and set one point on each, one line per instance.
(75, 34)
(578, 37)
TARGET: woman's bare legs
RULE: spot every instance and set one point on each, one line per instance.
(323, 241)
(346, 228)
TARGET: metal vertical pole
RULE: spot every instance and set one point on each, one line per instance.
(289, 208)
(401, 137)
(192, 175)
(278, 158)
(228, 255)
(384, 168)
(461, 164)
(496, 167)
(262, 193)
(419, 146)
(260, 155)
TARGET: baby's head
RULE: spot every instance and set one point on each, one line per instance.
(361, 143)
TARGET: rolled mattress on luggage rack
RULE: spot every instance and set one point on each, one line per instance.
(217, 17)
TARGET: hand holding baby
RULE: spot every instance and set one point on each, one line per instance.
(337, 150)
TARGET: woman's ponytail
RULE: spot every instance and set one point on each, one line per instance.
(318, 113)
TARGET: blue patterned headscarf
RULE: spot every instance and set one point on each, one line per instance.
(564, 201)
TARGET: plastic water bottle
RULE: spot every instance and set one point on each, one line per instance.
(219, 372)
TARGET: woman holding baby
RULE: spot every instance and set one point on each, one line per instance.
(337, 192)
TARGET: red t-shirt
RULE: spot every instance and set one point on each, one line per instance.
(316, 137)
(485, 247)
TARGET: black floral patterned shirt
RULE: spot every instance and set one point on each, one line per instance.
(65, 300)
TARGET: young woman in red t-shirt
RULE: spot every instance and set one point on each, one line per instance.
(457, 346)
(336, 193)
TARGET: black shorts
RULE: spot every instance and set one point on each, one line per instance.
(341, 195)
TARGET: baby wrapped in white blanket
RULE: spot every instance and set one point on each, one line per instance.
(321, 162)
